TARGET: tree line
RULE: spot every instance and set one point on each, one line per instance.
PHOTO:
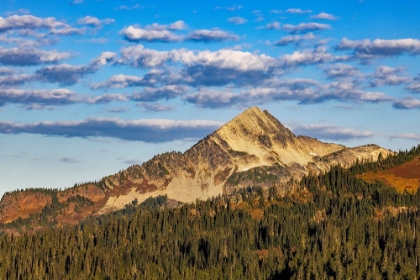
(331, 226)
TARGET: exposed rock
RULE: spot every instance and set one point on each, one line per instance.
(253, 149)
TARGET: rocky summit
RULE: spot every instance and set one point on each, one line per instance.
(253, 149)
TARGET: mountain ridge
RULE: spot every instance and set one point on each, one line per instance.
(253, 148)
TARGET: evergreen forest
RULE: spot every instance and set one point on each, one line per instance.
(327, 226)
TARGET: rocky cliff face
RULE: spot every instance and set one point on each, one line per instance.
(253, 149)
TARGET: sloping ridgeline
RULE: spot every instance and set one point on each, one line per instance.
(332, 226)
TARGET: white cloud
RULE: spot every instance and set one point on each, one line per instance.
(149, 130)
(298, 11)
(237, 20)
(294, 39)
(163, 92)
(342, 71)
(155, 107)
(331, 132)
(324, 16)
(306, 57)
(414, 87)
(32, 22)
(305, 27)
(214, 35)
(128, 8)
(136, 34)
(93, 21)
(40, 97)
(407, 104)
(273, 25)
(385, 75)
(178, 25)
(366, 49)
(122, 81)
(26, 57)
(138, 56)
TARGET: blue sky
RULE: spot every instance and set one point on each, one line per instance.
(88, 88)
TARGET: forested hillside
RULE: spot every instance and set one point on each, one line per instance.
(333, 225)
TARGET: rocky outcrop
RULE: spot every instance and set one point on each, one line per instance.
(253, 149)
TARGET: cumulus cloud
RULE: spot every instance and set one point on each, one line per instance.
(53, 97)
(331, 132)
(28, 43)
(366, 49)
(104, 98)
(178, 25)
(213, 98)
(208, 36)
(292, 84)
(140, 57)
(154, 107)
(225, 66)
(93, 21)
(273, 25)
(29, 57)
(124, 81)
(28, 22)
(205, 67)
(340, 70)
(65, 74)
(218, 68)
(407, 104)
(294, 39)
(155, 94)
(346, 90)
(347, 94)
(154, 32)
(279, 91)
(385, 75)
(14, 80)
(165, 33)
(150, 130)
(237, 20)
(414, 87)
(305, 27)
(302, 90)
(40, 97)
(138, 34)
(324, 16)
(298, 11)
(6, 71)
(306, 57)
(31, 22)
(103, 59)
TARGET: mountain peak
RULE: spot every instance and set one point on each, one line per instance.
(251, 125)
